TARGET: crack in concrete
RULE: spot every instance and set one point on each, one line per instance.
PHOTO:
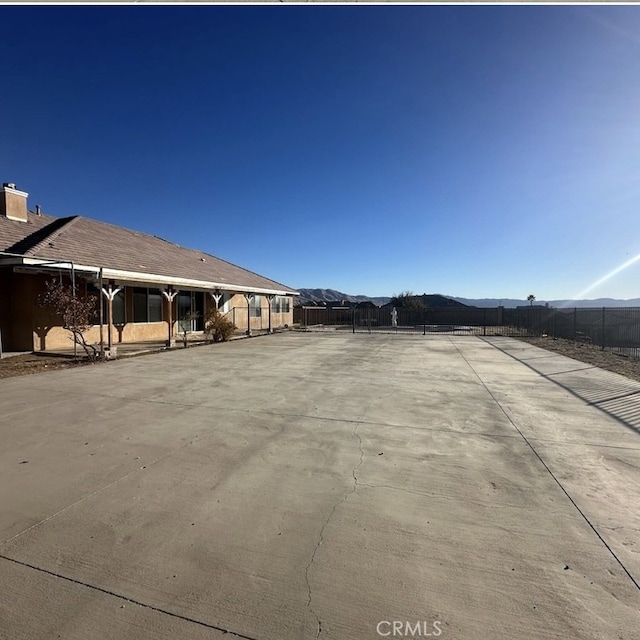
(355, 478)
(324, 526)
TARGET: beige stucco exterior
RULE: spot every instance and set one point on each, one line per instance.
(13, 203)
(27, 326)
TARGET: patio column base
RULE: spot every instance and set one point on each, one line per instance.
(111, 354)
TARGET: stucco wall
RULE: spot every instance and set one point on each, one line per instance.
(23, 320)
(28, 326)
(13, 205)
(5, 308)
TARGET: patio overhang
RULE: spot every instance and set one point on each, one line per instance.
(133, 278)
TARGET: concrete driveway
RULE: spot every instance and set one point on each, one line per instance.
(320, 486)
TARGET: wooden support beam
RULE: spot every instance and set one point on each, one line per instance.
(217, 296)
(270, 299)
(170, 295)
(248, 297)
(110, 292)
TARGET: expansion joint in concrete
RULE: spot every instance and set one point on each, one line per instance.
(108, 592)
(529, 443)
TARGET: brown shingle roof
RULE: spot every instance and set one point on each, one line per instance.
(99, 244)
(15, 235)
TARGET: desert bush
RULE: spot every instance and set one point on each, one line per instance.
(217, 328)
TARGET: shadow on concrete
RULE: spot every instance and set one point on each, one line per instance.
(612, 393)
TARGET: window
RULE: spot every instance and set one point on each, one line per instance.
(281, 304)
(155, 306)
(255, 307)
(117, 307)
(147, 305)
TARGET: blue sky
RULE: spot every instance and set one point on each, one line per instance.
(476, 151)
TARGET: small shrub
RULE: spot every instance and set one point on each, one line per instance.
(217, 328)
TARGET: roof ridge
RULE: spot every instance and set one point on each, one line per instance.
(65, 224)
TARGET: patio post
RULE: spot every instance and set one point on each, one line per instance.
(100, 283)
(270, 299)
(110, 293)
(170, 295)
(217, 296)
(248, 297)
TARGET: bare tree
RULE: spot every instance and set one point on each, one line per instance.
(77, 313)
(187, 320)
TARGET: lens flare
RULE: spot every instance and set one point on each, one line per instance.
(614, 272)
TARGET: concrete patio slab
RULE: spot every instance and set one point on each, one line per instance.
(321, 486)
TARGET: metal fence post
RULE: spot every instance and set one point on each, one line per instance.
(484, 322)
(424, 322)
(603, 319)
(354, 321)
(575, 320)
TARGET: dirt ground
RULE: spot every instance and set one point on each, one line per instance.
(31, 363)
(629, 367)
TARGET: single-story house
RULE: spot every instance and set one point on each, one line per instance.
(151, 289)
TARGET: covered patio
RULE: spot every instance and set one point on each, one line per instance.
(150, 289)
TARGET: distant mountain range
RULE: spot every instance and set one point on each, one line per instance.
(329, 295)
(514, 302)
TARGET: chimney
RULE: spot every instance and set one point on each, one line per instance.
(13, 203)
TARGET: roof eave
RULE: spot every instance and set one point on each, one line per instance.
(139, 277)
(151, 278)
